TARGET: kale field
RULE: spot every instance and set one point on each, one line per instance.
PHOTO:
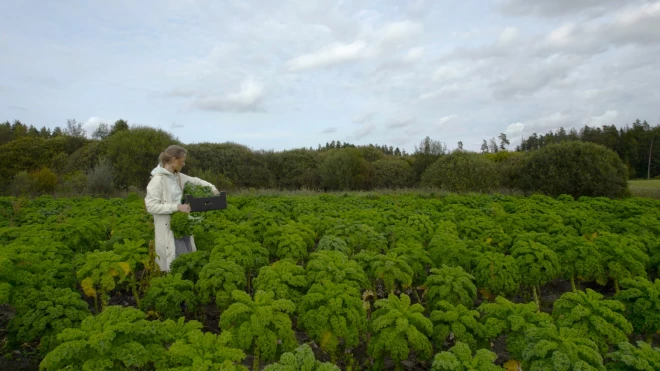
(398, 281)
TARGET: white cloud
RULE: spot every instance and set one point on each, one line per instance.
(414, 54)
(401, 122)
(328, 56)
(364, 117)
(445, 119)
(556, 8)
(93, 123)
(329, 131)
(508, 35)
(248, 98)
(607, 118)
(363, 132)
(369, 44)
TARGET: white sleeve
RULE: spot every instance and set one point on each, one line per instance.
(153, 201)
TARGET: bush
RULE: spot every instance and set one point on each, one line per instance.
(575, 168)
(393, 172)
(22, 185)
(220, 181)
(74, 183)
(44, 181)
(462, 171)
(345, 169)
(135, 153)
(510, 168)
(100, 180)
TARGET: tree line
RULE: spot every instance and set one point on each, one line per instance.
(121, 156)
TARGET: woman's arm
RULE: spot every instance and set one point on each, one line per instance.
(153, 201)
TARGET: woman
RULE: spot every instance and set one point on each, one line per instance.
(164, 194)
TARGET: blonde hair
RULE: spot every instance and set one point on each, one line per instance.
(171, 153)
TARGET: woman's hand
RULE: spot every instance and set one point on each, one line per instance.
(184, 208)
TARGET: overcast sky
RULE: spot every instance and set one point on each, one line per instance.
(289, 74)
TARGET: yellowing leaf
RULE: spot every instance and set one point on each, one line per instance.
(325, 338)
(125, 267)
(512, 365)
(88, 286)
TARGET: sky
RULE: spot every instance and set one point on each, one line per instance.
(290, 74)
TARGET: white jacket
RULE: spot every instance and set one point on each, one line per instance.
(163, 195)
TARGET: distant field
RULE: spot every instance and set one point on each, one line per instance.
(645, 188)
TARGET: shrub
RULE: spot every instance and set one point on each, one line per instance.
(100, 179)
(345, 169)
(462, 171)
(393, 172)
(575, 168)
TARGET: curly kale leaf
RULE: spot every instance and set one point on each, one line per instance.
(451, 284)
(189, 265)
(262, 325)
(504, 317)
(459, 358)
(199, 350)
(336, 267)
(100, 274)
(301, 359)
(333, 243)
(167, 294)
(42, 314)
(286, 279)
(398, 328)
(196, 191)
(292, 241)
(642, 300)
(416, 256)
(497, 274)
(219, 278)
(448, 249)
(599, 320)
(631, 358)
(116, 339)
(392, 269)
(183, 224)
(332, 314)
(560, 349)
(458, 320)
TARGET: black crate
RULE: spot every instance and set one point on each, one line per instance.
(207, 203)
